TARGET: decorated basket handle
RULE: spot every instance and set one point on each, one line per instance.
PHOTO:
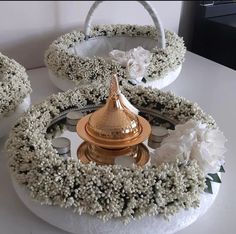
(161, 36)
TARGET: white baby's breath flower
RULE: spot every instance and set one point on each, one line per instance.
(61, 61)
(14, 85)
(106, 191)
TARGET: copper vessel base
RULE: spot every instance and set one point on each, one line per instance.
(103, 156)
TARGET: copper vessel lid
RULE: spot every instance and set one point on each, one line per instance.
(114, 125)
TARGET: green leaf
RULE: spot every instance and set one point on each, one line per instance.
(209, 187)
(222, 169)
(215, 178)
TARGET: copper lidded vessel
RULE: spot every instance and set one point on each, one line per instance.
(112, 131)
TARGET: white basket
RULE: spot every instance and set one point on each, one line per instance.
(81, 57)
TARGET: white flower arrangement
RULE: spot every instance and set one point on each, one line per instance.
(14, 85)
(194, 141)
(135, 60)
(62, 61)
(105, 191)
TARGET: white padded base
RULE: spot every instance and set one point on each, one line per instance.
(65, 84)
(85, 224)
(61, 83)
(9, 120)
(165, 81)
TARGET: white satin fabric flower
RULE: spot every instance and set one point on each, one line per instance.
(135, 60)
(119, 56)
(194, 141)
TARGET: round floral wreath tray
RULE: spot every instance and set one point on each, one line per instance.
(14, 91)
(148, 56)
(158, 198)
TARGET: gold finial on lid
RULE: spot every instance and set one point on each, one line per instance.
(113, 130)
(114, 86)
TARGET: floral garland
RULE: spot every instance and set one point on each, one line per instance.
(14, 84)
(65, 64)
(105, 191)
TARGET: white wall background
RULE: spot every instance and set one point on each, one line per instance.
(28, 27)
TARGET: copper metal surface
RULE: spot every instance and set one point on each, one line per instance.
(113, 143)
(113, 130)
(104, 156)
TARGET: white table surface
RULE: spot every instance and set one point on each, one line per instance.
(212, 86)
